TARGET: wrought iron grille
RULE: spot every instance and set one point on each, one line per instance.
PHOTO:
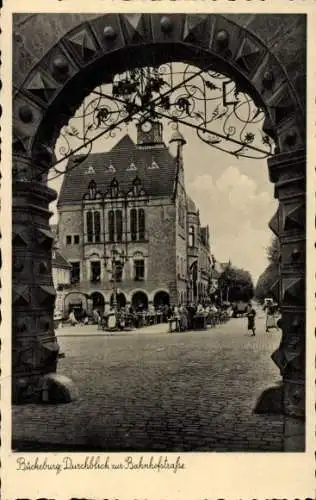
(222, 115)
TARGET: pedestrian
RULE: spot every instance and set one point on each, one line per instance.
(271, 320)
(72, 318)
(251, 315)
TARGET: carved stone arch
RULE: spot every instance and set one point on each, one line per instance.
(223, 44)
(86, 49)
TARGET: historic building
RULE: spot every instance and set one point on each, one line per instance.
(128, 228)
(61, 269)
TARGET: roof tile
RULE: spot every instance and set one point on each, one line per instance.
(155, 181)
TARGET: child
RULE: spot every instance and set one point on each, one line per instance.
(251, 314)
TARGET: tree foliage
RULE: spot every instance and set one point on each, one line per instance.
(273, 251)
(236, 284)
(271, 273)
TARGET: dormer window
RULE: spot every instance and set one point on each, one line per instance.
(90, 170)
(153, 166)
(92, 190)
(137, 186)
(131, 167)
(114, 189)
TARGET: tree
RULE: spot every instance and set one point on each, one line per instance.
(273, 251)
(271, 273)
(235, 284)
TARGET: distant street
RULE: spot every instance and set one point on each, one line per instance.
(149, 390)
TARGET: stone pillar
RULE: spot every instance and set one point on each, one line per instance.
(288, 173)
(34, 346)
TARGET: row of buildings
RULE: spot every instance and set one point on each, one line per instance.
(127, 230)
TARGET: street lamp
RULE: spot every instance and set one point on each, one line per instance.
(117, 263)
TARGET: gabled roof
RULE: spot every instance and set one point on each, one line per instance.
(191, 205)
(155, 167)
(60, 262)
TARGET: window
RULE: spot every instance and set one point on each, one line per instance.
(134, 224)
(76, 239)
(119, 225)
(90, 226)
(95, 271)
(115, 219)
(114, 188)
(75, 272)
(92, 190)
(191, 236)
(141, 224)
(68, 239)
(93, 227)
(111, 225)
(137, 224)
(137, 187)
(139, 269)
(97, 227)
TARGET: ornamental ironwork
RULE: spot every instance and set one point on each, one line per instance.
(212, 104)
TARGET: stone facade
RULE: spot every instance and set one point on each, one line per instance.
(163, 249)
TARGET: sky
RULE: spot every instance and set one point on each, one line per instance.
(235, 197)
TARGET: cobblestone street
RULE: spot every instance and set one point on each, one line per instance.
(148, 390)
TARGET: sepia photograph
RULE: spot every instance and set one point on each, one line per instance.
(158, 233)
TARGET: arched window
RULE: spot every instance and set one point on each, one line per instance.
(138, 226)
(90, 226)
(93, 227)
(141, 224)
(97, 227)
(111, 226)
(137, 186)
(191, 236)
(115, 219)
(114, 189)
(92, 190)
(134, 224)
(119, 225)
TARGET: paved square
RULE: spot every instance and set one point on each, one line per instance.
(149, 390)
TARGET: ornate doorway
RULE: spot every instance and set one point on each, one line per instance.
(75, 62)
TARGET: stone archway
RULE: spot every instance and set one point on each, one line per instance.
(98, 301)
(161, 298)
(74, 59)
(140, 301)
(120, 300)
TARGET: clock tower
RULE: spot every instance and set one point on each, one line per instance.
(149, 133)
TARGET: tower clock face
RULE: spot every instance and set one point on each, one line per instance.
(146, 126)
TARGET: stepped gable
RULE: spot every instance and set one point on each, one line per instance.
(156, 181)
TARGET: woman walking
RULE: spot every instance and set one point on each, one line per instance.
(251, 315)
